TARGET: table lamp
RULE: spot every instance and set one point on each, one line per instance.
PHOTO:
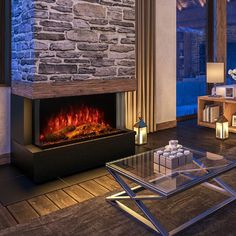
(215, 74)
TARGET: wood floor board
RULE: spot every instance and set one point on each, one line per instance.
(95, 188)
(84, 176)
(127, 181)
(6, 219)
(78, 193)
(43, 205)
(108, 183)
(61, 199)
(22, 211)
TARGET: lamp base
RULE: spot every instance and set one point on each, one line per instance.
(215, 96)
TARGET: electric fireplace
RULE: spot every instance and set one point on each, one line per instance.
(59, 121)
(54, 137)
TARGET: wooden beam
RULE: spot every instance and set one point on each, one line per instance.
(210, 31)
(221, 31)
(2, 41)
(72, 88)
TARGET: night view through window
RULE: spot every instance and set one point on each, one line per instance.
(191, 55)
(191, 51)
(231, 39)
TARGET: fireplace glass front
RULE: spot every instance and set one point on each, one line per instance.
(58, 121)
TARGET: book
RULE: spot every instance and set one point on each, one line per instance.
(211, 113)
(214, 113)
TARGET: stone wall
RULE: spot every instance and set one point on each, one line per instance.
(64, 40)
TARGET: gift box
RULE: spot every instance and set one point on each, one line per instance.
(172, 162)
(181, 158)
(188, 156)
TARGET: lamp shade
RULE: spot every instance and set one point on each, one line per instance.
(215, 72)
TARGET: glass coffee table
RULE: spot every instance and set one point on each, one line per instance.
(164, 183)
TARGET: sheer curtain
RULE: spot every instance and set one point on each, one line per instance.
(142, 101)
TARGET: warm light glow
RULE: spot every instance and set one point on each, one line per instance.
(222, 130)
(141, 135)
(74, 123)
(215, 72)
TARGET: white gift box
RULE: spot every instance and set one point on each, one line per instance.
(172, 162)
(188, 156)
(173, 152)
(156, 168)
(162, 169)
(181, 158)
(162, 160)
(157, 155)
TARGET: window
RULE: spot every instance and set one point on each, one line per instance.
(191, 55)
(231, 39)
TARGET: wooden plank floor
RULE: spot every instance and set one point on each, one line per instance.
(87, 186)
(25, 211)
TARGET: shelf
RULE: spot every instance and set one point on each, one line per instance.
(228, 107)
(232, 129)
(207, 124)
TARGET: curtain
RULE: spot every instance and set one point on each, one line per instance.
(142, 101)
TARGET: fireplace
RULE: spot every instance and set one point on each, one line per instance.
(60, 121)
(54, 137)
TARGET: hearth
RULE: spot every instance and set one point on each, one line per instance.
(54, 137)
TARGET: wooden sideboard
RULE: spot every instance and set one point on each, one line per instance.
(228, 108)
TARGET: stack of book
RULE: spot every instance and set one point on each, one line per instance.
(211, 113)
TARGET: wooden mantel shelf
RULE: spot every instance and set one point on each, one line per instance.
(40, 90)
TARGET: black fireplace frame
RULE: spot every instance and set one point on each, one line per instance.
(46, 164)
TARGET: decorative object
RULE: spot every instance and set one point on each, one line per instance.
(141, 132)
(232, 73)
(172, 156)
(222, 128)
(215, 74)
(234, 120)
(229, 92)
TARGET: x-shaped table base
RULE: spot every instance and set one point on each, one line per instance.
(152, 222)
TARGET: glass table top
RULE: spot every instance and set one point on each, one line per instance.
(142, 169)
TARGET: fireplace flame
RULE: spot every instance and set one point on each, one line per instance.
(74, 123)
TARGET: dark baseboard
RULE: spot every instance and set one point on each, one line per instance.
(5, 158)
(166, 125)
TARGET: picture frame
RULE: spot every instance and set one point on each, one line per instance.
(229, 92)
(234, 120)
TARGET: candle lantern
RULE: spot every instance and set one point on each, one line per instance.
(222, 128)
(141, 132)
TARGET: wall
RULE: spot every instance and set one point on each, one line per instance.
(166, 60)
(4, 121)
(73, 40)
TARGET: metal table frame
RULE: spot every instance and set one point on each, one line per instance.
(149, 220)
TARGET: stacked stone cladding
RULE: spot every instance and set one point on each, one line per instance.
(73, 40)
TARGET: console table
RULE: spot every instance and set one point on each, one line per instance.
(228, 107)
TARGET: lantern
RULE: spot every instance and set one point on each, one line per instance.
(222, 128)
(141, 132)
